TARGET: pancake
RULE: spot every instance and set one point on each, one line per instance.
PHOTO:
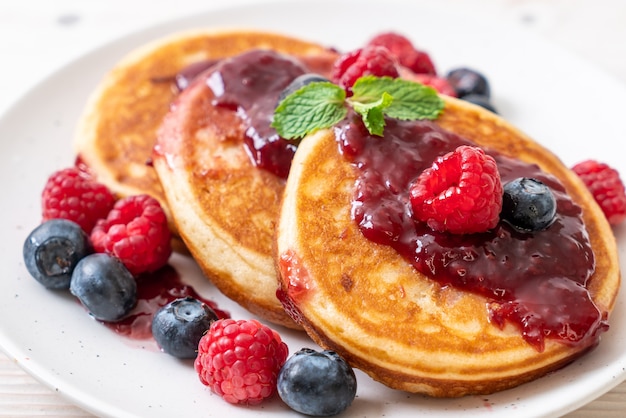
(117, 130)
(224, 205)
(403, 328)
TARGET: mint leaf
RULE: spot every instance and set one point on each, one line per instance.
(322, 104)
(373, 113)
(315, 106)
(411, 100)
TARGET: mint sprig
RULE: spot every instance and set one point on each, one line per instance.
(317, 105)
(320, 105)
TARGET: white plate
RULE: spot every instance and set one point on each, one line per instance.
(563, 102)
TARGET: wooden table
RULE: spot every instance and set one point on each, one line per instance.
(23, 396)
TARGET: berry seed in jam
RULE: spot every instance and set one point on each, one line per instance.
(508, 266)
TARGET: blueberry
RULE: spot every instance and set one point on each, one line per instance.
(104, 286)
(300, 82)
(466, 81)
(480, 101)
(178, 326)
(317, 383)
(528, 204)
(52, 251)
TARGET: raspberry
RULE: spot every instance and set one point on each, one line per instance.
(403, 50)
(136, 232)
(460, 193)
(73, 194)
(606, 187)
(440, 84)
(240, 360)
(370, 60)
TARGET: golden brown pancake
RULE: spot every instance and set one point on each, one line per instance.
(117, 130)
(224, 206)
(404, 329)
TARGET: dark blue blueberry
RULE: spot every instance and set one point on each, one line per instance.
(178, 326)
(317, 383)
(528, 204)
(52, 251)
(481, 101)
(466, 81)
(104, 286)
(298, 83)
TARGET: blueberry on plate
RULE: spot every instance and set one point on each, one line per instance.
(317, 383)
(466, 81)
(178, 326)
(300, 82)
(528, 204)
(104, 286)
(52, 251)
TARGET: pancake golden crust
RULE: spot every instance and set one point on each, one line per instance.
(225, 208)
(366, 302)
(117, 130)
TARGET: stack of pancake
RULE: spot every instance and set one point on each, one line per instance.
(140, 135)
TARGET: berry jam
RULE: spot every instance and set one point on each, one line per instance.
(155, 290)
(298, 284)
(250, 84)
(185, 76)
(523, 275)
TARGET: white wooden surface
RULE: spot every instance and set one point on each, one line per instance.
(38, 36)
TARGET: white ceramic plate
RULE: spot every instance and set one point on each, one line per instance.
(562, 102)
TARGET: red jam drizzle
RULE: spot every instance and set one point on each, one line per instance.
(298, 284)
(534, 280)
(250, 84)
(298, 281)
(183, 78)
(155, 290)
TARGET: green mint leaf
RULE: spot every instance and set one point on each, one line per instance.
(373, 112)
(411, 100)
(315, 106)
(320, 105)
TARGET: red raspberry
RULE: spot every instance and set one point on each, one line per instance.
(136, 232)
(440, 84)
(403, 50)
(461, 193)
(606, 187)
(240, 360)
(73, 194)
(371, 60)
